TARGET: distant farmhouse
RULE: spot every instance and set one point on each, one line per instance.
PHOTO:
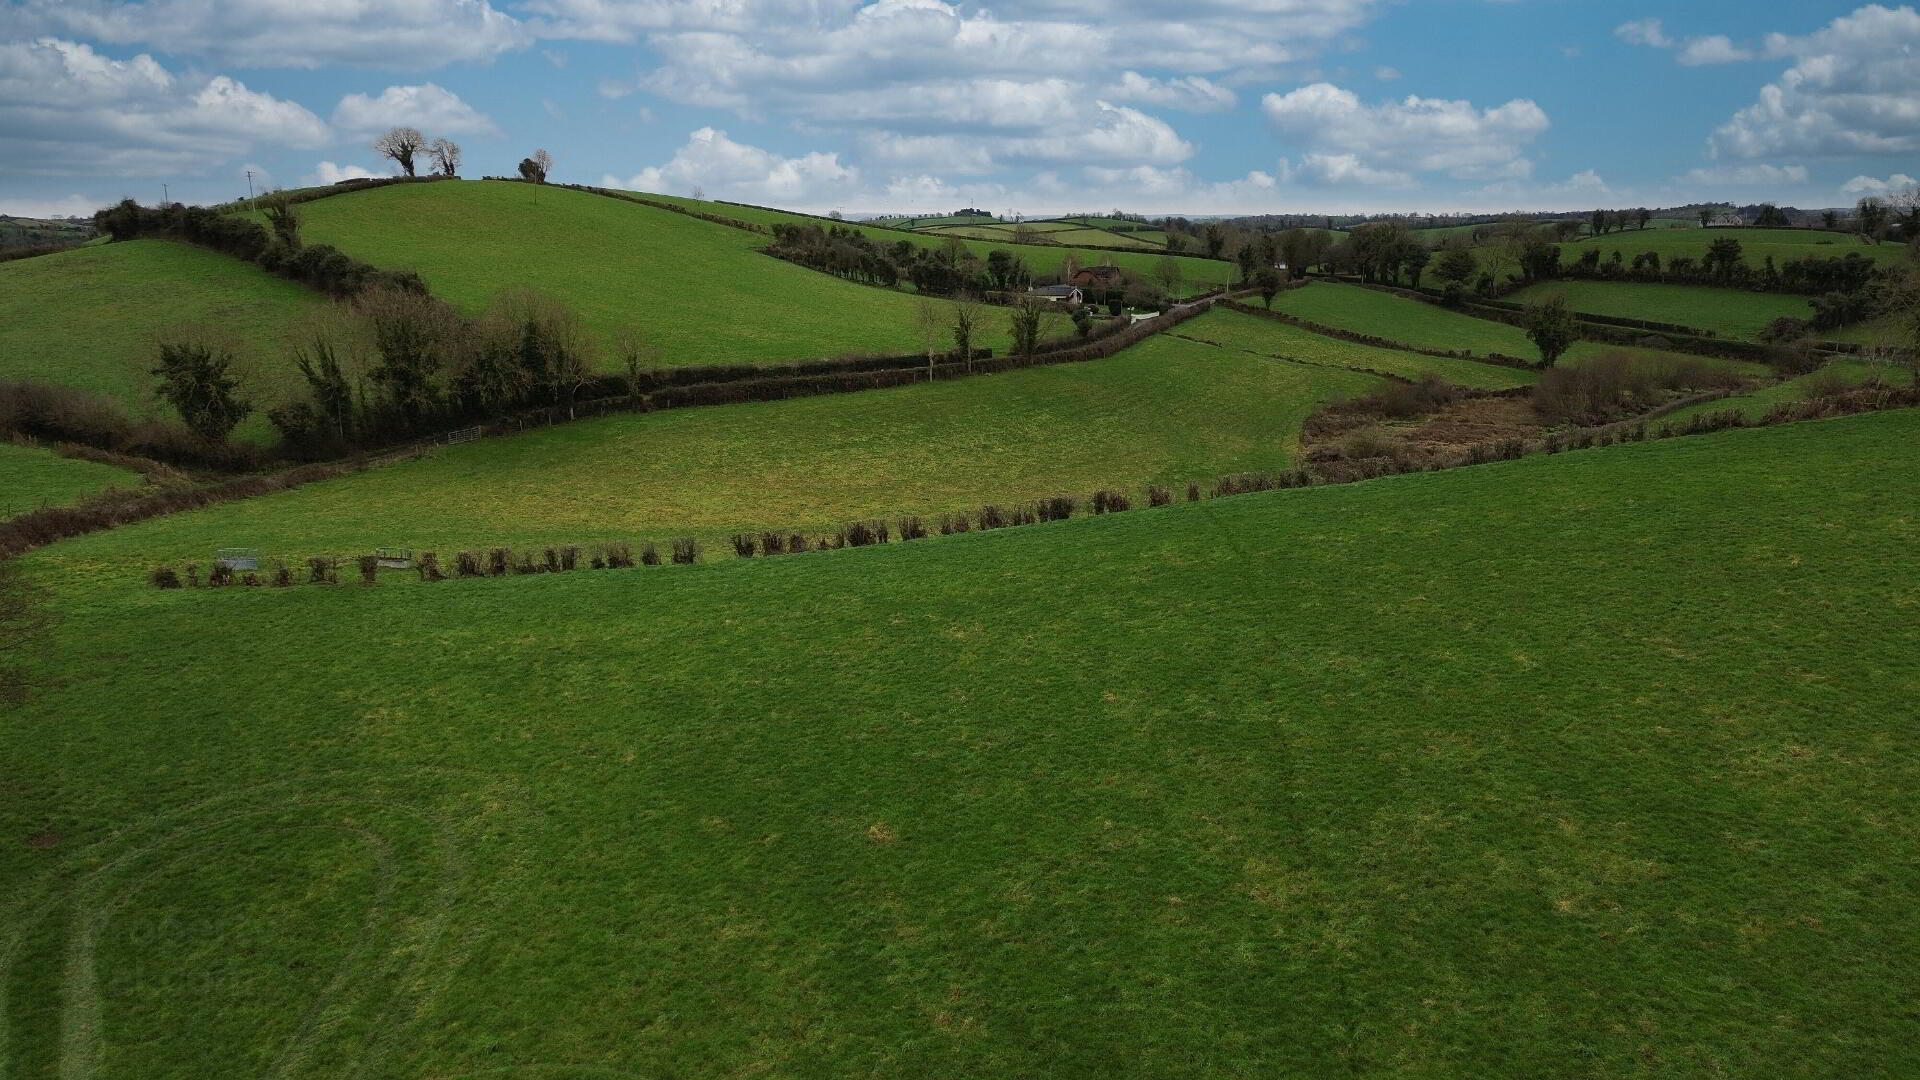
(1726, 220)
(1098, 277)
(1058, 294)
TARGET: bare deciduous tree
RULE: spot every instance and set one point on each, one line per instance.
(401, 144)
(446, 156)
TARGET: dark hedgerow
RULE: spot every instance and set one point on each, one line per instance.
(319, 571)
(620, 557)
(429, 567)
(499, 560)
(992, 517)
(954, 523)
(685, 551)
(220, 575)
(569, 557)
(865, 533)
(773, 543)
(1193, 492)
(467, 564)
(743, 545)
(165, 578)
(649, 555)
(552, 564)
(282, 575)
(912, 528)
(1158, 496)
(1110, 502)
(1056, 508)
(526, 565)
(797, 544)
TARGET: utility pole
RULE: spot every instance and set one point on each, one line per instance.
(166, 197)
(249, 185)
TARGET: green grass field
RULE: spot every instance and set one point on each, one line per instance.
(701, 292)
(1728, 312)
(87, 318)
(1200, 274)
(1166, 411)
(1755, 244)
(32, 477)
(1252, 333)
(1591, 765)
(1428, 326)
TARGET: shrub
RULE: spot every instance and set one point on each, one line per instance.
(499, 560)
(193, 575)
(552, 565)
(221, 575)
(620, 557)
(743, 545)
(165, 578)
(369, 569)
(429, 567)
(685, 551)
(865, 533)
(649, 555)
(1193, 492)
(797, 544)
(569, 557)
(1056, 508)
(911, 528)
(282, 575)
(773, 543)
(466, 564)
(992, 517)
(954, 523)
(1158, 496)
(1110, 502)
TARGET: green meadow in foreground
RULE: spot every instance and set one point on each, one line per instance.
(87, 318)
(702, 293)
(1166, 411)
(31, 477)
(1594, 765)
(1729, 312)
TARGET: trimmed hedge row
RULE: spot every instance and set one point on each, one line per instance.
(320, 266)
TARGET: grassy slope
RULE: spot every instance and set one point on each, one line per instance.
(1166, 411)
(1349, 307)
(700, 291)
(1730, 312)
(1042, 258)
(1595, 765)
(85, 318)
(1250, 332)
(31, 477)
(1758, 402)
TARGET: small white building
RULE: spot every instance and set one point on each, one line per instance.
(1058, 294)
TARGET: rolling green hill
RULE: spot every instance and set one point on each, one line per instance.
(1730, 312)
(86, 318)
(1166, 411)
(31, 477)
(1595, 764)
(701, 292)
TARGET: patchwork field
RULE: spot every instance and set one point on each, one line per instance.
(982, 236)
(1728, 312)
(1266, 337)
(1595, 762)
(1755, 244)
(1166, 411)
(1428, 326)
(32, 477)
(87, 318)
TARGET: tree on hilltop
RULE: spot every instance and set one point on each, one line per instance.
(446, 156)
(401, 144)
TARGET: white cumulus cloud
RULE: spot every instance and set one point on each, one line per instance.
(406, 34)
(726, 169)
(1192, 93)
(1756, 175)
(429, 107)
(326, 172)
(1854, 88)
(1869, 185)
(66, 109)
(1386, 141)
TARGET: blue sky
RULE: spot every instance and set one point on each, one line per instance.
(1040, 106)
